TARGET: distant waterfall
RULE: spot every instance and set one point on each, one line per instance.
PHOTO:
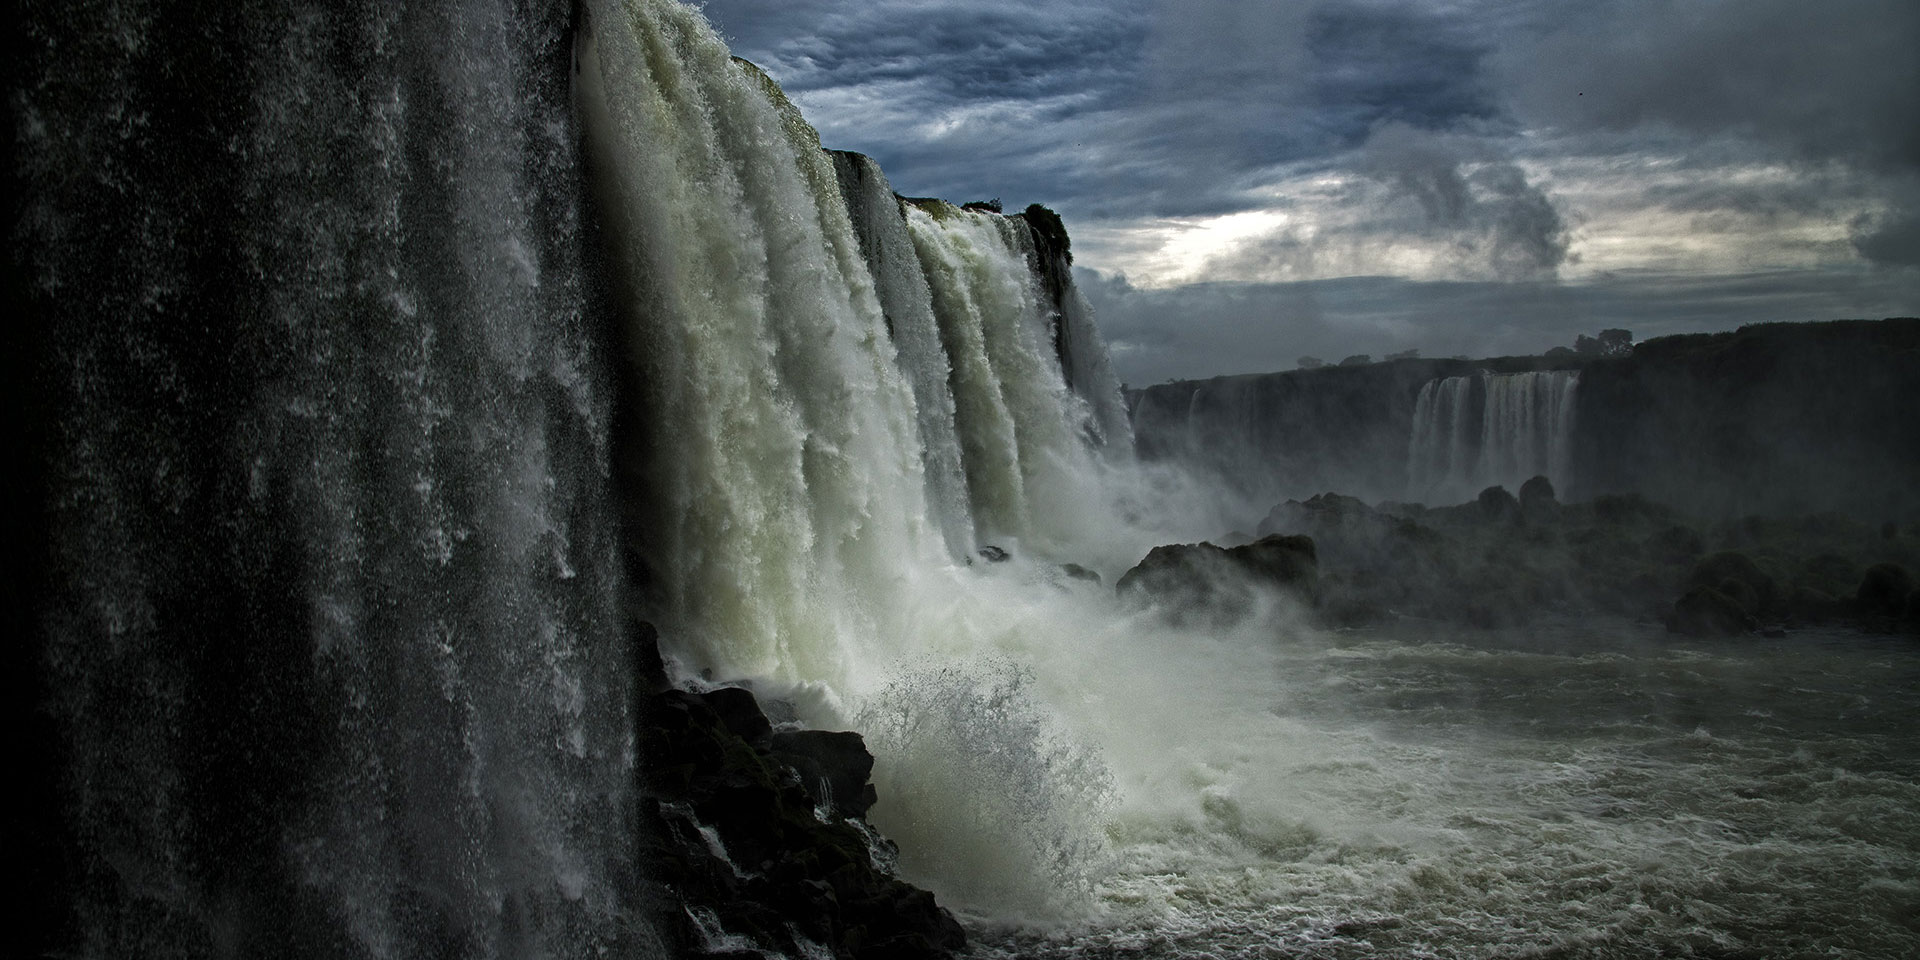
(1473, 432)
(1442, 457)
(1527, 425)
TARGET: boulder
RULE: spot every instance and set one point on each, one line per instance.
(1281, 560)
(1496, 505)
(738, 710)
(835, 766)
(1740, 592)
(1812, 605)
(649, 666)
(1714, 570)
(753, 834)
(1218, 581)
(1537, 502)
(1829, 573)
(1706, 612)
(1321, 515)
(1078, 572)
(1883, 590)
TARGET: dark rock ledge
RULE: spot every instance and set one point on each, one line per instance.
(758, 838)
(1499, 561)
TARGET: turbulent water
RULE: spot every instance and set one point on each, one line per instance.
(397, 357)
(1571, 792)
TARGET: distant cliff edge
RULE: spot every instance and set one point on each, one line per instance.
(1769, 418)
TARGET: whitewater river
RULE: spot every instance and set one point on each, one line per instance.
(1572, 792)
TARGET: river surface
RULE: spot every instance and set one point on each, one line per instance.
(1581, 790)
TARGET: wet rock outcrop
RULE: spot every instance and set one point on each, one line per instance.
(1707, 612)
(1500, 561)
(1203, 581)
(757, 840)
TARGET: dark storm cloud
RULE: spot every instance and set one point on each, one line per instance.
(1893, 240)
(1469, 191)
(1495, 136)
(1168, 109)
(963, 100)
(1821, 83)
(1381, 65)
(1828, 80)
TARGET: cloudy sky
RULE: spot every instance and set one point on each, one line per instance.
(1249, 182)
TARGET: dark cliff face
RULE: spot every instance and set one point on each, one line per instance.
(1053, 256)
(1773, 418)
(1268, 437)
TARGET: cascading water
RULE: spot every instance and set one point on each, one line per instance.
(794, 534)
(333, 629)
(1027, 467)
(780, 451)
(908, 306)
(1440, 458)
(1527, 425)
(1523, 428)
(1076, 339)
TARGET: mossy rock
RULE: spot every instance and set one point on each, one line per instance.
(1496, 505)
(1813, 605)
(1884, 589)
(1718, 568)
(1706, 612)
(1215, 583)
(1829, 573)
(1676, 544)
(1740, 592)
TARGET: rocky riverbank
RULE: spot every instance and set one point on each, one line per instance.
(755, 834)
(1503, 560)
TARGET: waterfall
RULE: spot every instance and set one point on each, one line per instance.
(817, 376)
(1526, 426)
(332, 628)
(1027, 468)
(908, 306)
(783, 457)
(387, 361)
(441, 342)
(1523, 428)
(1075, 337)
(1440, 454)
